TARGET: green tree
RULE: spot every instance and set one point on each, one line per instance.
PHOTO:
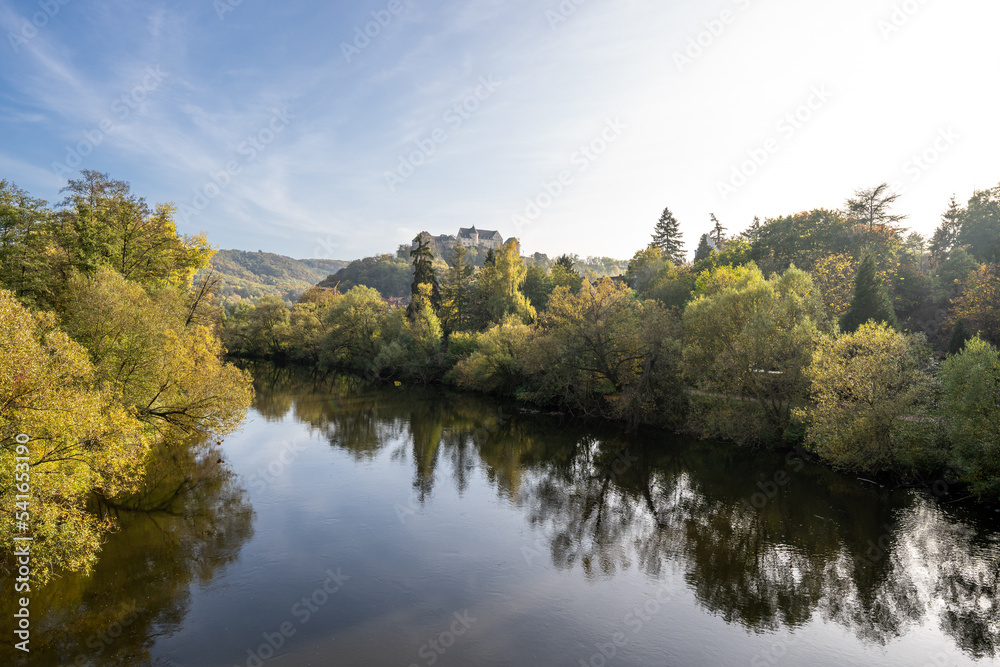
(870, 301)
(538, 285)
(980, 230)
(25, 240)
(959, 337)
(870, 389)
(102, 223)
(971, 414)
(945, 236)
(667, 237)
(749, 338)
(704, 250)
(422, 258)
(360, 324)
(718, 233)
(603, 351)
(457, 292)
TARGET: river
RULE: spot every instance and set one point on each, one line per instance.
(352, 525)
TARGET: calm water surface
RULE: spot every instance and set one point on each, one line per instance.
(348, 525)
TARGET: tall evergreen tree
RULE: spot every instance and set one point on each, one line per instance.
(423, 273)
(959, 337)
(752, 233)
(704, 250)
(871, 300)
(946, 235)
(565, 261)
(456, 291)
(718, 232)
(667, 237)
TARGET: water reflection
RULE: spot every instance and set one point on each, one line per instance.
(193, 521)
(765, 541)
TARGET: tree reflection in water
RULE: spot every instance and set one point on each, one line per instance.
(193, 520)
(877, 562)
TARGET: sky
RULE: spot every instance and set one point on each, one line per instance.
(339, 130)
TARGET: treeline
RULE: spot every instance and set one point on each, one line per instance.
(110, 364)
(824, 327)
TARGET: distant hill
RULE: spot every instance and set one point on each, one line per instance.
(251, 275)
(391, 276)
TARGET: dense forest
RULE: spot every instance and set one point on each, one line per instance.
(837, 329)
(392, 275)
(113, 384)
(243, 275)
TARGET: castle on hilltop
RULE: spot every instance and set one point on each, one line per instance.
(469, 237)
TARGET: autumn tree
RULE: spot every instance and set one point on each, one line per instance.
(978, 304)
(103, 223)
(667, 237)
(171, 374)
(834, 278)
(870, 388)
(499, 284)
(77, 438)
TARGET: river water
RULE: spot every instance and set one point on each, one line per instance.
(351, 525)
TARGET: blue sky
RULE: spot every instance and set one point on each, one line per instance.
(284, 127)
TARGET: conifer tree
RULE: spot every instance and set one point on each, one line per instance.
(704, 249)
(423, 273)
(667, 237)
(871, 301)
(718, 232)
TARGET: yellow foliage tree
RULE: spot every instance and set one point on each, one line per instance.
(81, 440)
